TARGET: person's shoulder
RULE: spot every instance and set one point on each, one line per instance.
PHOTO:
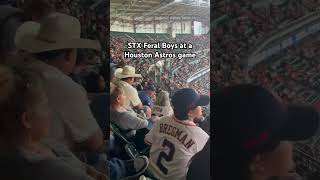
(63, 83)
(48, 169)
(168, 119)
(201, 132)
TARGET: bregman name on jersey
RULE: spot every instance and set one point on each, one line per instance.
(180, 135)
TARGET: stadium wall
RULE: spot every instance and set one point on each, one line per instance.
(286, 42)
(177, 27)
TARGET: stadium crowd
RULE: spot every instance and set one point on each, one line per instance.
(155, 98)
(241, 25)
(291, 74)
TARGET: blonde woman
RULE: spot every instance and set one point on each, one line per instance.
(162, 106)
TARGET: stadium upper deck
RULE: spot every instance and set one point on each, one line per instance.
(151, 10)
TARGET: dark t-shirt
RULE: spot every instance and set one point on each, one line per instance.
(200, 164)
(100, 111)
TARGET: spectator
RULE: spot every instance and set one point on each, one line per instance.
(98, 107)
(127, 77)
(162, 106)
(95, 83)
(24, 123)
(73, 123)
(126, 120)
(261, 128)
(80, 66)
(139, 87)
(177, 136)
(201, 159)
(147, 95)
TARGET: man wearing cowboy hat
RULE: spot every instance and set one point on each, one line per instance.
(127, 76)
(53, 45)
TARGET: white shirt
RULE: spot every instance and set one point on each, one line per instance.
(162, 110)
(174, 143)
(132, 97)
(72, 121)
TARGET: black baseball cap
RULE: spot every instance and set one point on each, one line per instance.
(186, 99)
(251, 117)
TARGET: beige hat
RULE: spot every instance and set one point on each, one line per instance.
(57, 31)
(125, 72)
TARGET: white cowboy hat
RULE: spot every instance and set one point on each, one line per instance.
(125, 72)
(57, 31)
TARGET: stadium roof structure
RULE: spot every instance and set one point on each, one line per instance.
(160, 10)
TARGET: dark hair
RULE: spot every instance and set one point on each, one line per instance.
(139, 87)
(20, 89)
(92, 82)
(39, 8)
(182, 114)
(81, 57)
(51, 55)
(125, 79)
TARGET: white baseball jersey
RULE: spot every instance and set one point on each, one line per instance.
(173, 144)
(162, 110)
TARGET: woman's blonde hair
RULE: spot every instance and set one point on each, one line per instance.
(163, 99)
(115, 91)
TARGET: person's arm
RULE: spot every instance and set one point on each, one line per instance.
(147, 111)
(147, 142)
(134, 98)
(136, 122)
(151, 136)
(138, 106)
(94, 142)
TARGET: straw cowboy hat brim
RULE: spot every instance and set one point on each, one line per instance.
(27, 38)
(118, 74)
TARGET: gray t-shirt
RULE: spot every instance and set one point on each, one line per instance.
(127, 120)
(36, 166)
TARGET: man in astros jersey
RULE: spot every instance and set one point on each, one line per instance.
(176, 139)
